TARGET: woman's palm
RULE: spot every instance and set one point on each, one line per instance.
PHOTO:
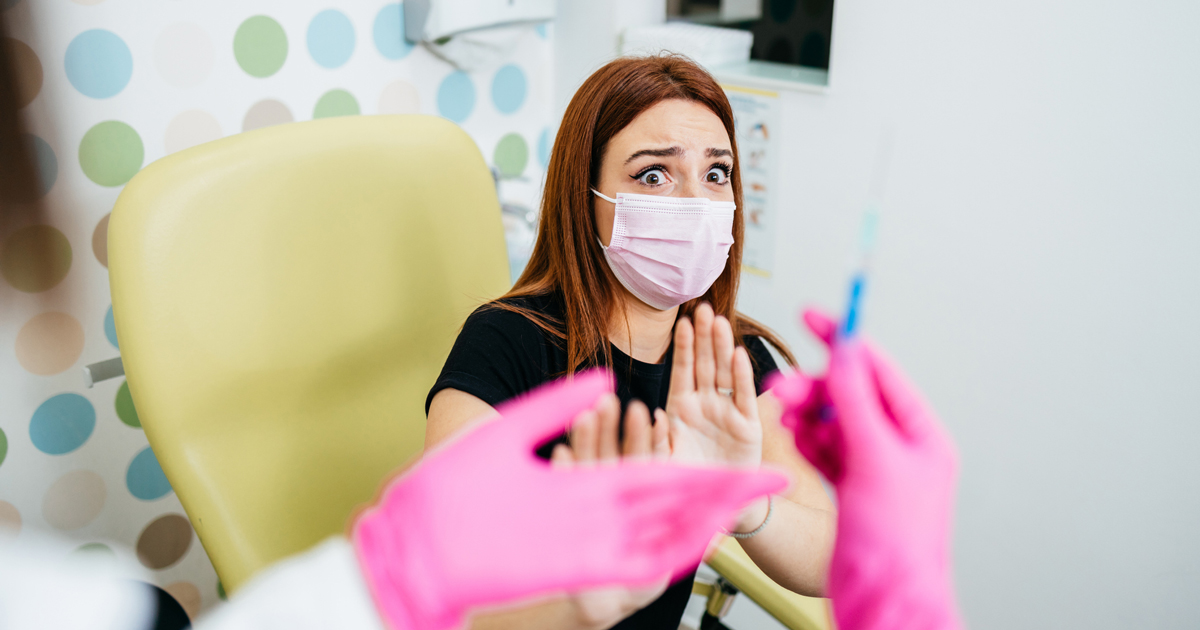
(707, 424)
(710, 429)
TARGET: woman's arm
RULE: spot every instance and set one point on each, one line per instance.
(719, 419)
(794, 549)
(450, 411)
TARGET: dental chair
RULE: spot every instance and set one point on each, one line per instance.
(285, 298)
(737, 573)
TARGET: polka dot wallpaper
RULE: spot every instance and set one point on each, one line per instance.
(108, 87)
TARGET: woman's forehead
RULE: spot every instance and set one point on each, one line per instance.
(688, 125)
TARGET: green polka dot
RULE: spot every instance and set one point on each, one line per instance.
(111, 153)
(3, 446)
(336, 103)
(35, 258)
(125, 410)
(99, 549)
(221, 591)
(260, 46)
(511, 155)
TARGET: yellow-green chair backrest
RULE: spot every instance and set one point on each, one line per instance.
(284, 300)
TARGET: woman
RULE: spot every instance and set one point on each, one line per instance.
(640, 232)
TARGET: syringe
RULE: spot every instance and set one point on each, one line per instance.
(866, 238)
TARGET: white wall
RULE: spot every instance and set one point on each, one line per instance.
(593, 32)
(1038, 275)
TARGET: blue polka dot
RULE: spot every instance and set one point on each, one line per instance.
(541, 30)
(98, 63)
(47, 163)
(543, 147)
(456, 96)
(330, 38)
(62, 424)
(110, 328)
(145, 478)
(389, 32)
(508, 89)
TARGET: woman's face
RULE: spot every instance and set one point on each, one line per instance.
(676, 148)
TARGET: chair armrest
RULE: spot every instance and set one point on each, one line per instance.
(797, 612)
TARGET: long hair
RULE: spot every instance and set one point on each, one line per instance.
(566, 256)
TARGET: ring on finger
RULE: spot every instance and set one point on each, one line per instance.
(725, 391)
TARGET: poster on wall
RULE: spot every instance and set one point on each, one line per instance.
(756, 121)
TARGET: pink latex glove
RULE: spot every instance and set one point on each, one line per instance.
(482, 521)
(894, 468)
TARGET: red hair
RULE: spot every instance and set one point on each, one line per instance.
(566, 256)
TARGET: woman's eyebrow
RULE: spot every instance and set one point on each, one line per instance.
(667, 152)
(676, 151)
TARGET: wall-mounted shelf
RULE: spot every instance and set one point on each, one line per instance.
(773, 76)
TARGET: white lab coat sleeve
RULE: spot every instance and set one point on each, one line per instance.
(320, 588)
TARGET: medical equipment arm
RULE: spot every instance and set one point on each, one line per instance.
(894, 468)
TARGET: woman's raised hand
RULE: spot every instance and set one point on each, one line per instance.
(712, 406)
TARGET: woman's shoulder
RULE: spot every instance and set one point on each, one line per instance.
(501, 351)
(542, 303)
(522, 316)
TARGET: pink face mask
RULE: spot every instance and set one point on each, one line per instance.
(668, 250)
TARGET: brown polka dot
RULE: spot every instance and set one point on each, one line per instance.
(164, 541)
(187, 595)
(189, 129)
(35, 258)
(28, 68)
(266, 113)
(100, 241)
(10, 520)
(49, 343)
(74, 500)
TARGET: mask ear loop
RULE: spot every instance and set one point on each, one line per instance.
(609, 199)
(603, 196)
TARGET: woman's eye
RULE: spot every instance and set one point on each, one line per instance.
(652, 177)
(715, 176)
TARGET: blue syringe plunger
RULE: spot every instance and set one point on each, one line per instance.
(850, 324)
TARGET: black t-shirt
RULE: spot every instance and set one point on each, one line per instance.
(501, 354)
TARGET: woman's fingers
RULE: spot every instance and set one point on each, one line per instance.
(584, 437)
(561, 456)
(608, 411)
(723, 351)
(683, 375)
(745, 396)
(706, 365)
(661, 420)
(637, 431)
(660, 437)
